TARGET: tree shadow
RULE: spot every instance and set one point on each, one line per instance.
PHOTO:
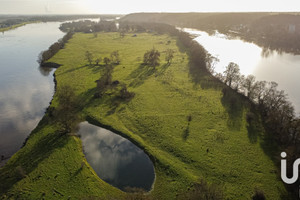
(28, 160)
(140, 75)
(254, 128)
(200, 76)
(233, 103)
(95, 68)
(252, 133)
(163, 68)
(74, 69)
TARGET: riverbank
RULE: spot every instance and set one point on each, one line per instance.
(16, 26)
(187, 127)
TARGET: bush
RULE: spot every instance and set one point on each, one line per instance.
(125, 94)
(259, 195)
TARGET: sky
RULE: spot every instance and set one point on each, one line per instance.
(131, 6)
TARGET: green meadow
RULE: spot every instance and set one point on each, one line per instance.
(179, 116)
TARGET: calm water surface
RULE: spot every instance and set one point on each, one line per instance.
(115, 159)
(283, 68)
(25, 90)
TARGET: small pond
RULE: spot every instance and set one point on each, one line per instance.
(115, 159)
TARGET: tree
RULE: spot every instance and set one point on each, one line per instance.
(89, 57)
(231, 73)
(98, 60)
(169, 55)
(115, 57)
(249, 85)
(260, 90)
(106, 60)
(151, 58)
(125, 94)
(211, 61)
(104, 82)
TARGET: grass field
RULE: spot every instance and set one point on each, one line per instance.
(188, 128)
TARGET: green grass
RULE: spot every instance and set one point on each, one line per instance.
(217, 144)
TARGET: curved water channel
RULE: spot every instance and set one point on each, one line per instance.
(264, 64)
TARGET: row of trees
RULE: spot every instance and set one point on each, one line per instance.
(277, 112)
(88, 26)
(113, 59)
(152, 57)
(54, 48)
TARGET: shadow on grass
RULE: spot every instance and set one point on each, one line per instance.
(140, 75)
(27, 160)
(95, 68)
(254, 126)
(233, 103)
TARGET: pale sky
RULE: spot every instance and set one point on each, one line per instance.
(130, 6)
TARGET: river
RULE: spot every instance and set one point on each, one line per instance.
(25, 90)
(283, 68)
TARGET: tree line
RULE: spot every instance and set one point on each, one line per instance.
(277, 112)
(54, 48)
(88, 26)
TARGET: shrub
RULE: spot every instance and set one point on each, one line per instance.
(259, 195)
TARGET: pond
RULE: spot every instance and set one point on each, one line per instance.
(264, 64)
(115, 159)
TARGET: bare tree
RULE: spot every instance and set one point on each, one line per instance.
(211, 61)
(231, 73)
(249, 85)
(260, 90)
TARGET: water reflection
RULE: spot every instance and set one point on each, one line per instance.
(115, 159)
(24, 93)
(265, 64)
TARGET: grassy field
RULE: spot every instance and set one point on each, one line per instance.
(188, 128)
